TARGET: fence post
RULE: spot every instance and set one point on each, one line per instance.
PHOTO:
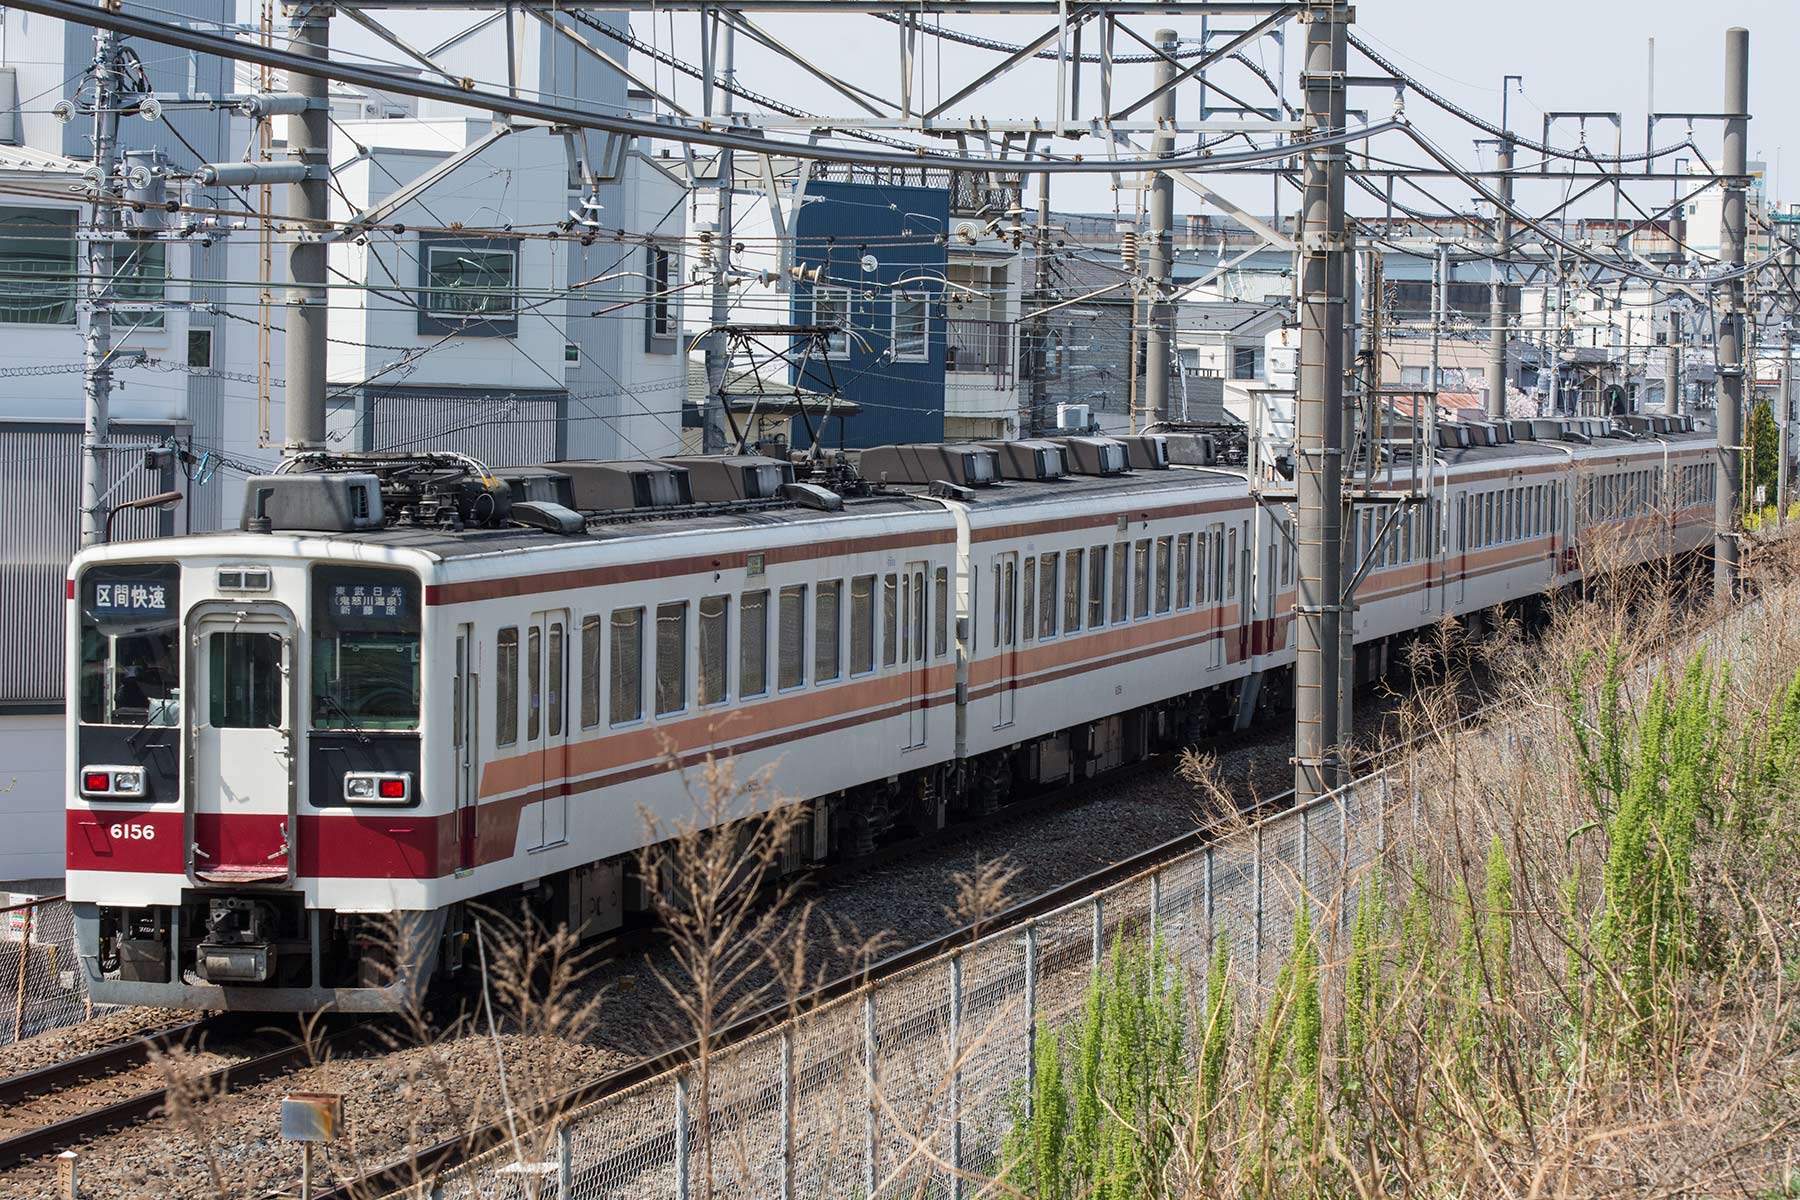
(681, 1135)
(565, 1161)
(787, 1112)
(956, 1159)
(1099, 930)
(1031, 957)
(1211, 931)
(1343, 809)
(24, 958)
(1256, 883)
(1155, 903)
(869, 1121)
(1302, 846)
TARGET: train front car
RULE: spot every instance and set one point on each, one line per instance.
(246, 813)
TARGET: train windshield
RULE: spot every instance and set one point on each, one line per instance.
(130, 666)
(365, 649)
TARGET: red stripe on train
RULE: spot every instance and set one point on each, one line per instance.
(396, 845)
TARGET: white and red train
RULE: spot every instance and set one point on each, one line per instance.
(285, 735)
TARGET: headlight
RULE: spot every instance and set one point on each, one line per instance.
(378, 787)
(113, 783)
(129, 782)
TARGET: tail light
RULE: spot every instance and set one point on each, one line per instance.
(378, 787)
(115, 783)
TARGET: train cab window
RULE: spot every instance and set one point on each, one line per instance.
(130, 645)
(365, 649)
(1096, 590)
(625, 701)
(1028, 584)
(1072, 577)
(862, 624)
(791, 639)
(753, 644)
(715, 620)
(506, 687)
(1047, 581)
(827, 623)
(244, 678)
(940, 587)
(671, 657)
(890, 619)
(590, 671)
(1184, 571)
(1165, 549)
(1121, 579)
(534, 674)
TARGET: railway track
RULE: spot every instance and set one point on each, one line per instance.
(92, 1083)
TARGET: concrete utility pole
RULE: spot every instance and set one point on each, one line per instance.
(1731, 324)
(1787, 415)
(308, 309)
(1032, 416)
(1672, 362)
(1496, 367)
(1159, 336)
(1319, 449)
(102, 225)
(712, 417)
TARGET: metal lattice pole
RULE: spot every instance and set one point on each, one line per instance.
(1732, 233)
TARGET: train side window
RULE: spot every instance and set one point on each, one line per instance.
(940, 587)
(1165, 550)
(1073, 573)
(1028, 585)
(1047, 580)
(1216, 569)
(791, 643)
(997, 602)
(921, 615)
(862, 624)
(671, 657)
(534, 676)
(506, 688)
(890, 619)
(827, 615)
(1140, 579)
(1184, 571)
(715, 639)
(557, 652)
(753, 644)
(626, 699)
(590, 672)
(1121, 577)
(905, 619)
(1096, 591)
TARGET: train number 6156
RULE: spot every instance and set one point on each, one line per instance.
(133, 832)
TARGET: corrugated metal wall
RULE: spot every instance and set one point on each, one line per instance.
(42, 532)
(515, 428)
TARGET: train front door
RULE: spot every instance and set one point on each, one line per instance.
(240, 795)
(465, 706)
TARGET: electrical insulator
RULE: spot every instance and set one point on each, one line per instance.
(1128, 249)
(704, 231)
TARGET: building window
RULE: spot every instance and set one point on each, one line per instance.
(200, 349)
(140, 274)
(831, 306)
(469, 288)
(37, 266)
(1246, 362)
(912, 327)
(571, 354)
(662, 308)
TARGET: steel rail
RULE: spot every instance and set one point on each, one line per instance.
(96, 1064)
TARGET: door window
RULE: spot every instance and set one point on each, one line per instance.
(244, 681)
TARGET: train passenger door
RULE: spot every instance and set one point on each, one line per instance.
(918, 668)
(465, 705)
(240, 787)
(546, 720)
(1006, 635)
(1215, 583)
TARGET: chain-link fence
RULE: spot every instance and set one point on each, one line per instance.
(40, 985)
(908, 1086)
